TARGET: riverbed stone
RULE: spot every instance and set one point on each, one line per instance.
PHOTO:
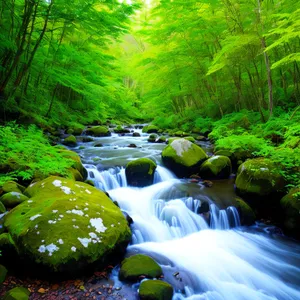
(17, 293)
(139, 265)
(290, 204)
(140, 172)
(98, 131)
(2, 208)
(12, 186)
(216, 167)
(258, 177)
(67, 226)
(155, 290)
(183, 157)
(70, 141)
(150, 129)
(13, 199)
(246, 213)
(152, 138)
(188, 138)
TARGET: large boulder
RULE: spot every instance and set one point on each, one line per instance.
(246, 213)
(150, 129)
(11, 186)
(120, 129)
(139, 265)
(258, 177)
(98, 131)
(183, 157)
(70, 141)
(188, 138)
(216, 167)
(155, 290)
(2, 208)
(17, 293)
(66, 226)
(13, 199)
(290, 204)
(140, 172)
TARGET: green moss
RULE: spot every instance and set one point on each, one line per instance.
(150, 129)
(162, 139)
(74, 174)
(3, 272)
(13, 199)
(11, 186)
(2, 208)
(258, 176)
(90, 182)
(155, 290)
(140, 172)
(98, 131)
(7, 245)
(181, 133)
(216, 167)
(137, 265)
(188, 138)
(246, 213)
(63, 210)
(70, 140)
(17, 293)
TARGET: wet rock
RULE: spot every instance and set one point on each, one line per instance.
(98, 145)
(216, 167)
(207, 183)
(132, 146)
(161, 139)
(98, 131)
(120, 129)
(136, 134)
(183, 157)
(246, 213)
(70, 141)
(11, 186)
(137, 265)
(87, 139)
(150, 129)
(13, 199)
(128, 218)
(152, 138)
(140, 172)
(155, 290)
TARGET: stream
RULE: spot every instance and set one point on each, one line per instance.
(204, 257)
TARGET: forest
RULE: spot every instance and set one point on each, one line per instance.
(149, 128)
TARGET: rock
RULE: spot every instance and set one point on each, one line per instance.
(162, 139)
(81, 147)
(140, 172)
(136, 134)
(11, 186)
(201, 138)
(216, 167)
(120, 129)
(150, 129)
(17, 293)
(188, 138)
(90, 182)
(155, 290)
(74, 175)
(181, 133)
(132, 146)
(66, 227)
(2, 208)
(87, 139)
(152, 138)
(290, 204)
(98, 131)
(247, 215)
(13, 199)
(207, 183)
(98, 145)
(258, 177)
(137, 265)
(183, 157)
(75, 130)
(70, 141)
(3, 272)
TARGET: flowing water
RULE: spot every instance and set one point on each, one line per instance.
(204, 256)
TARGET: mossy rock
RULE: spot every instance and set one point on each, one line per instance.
(13, 199)
(8, 248)
(90, 182)
(2, 208)
(74, 175)
(17, 293)
(216, 167)
(258, 177)
(3, 273)
(152, 138)
(162, 139)
(290, 204)
(11, 186)
(75, 130)
(188, 138)
(140, 172)
(70, 141)
(247, 215)
(67, 226)
(139, 265)
(120, 129)
(181, 133)
(201, 138)
(87, 139)
(136, 134)
(183, 157)
(98, 131)
(150, 129)
(155, 290)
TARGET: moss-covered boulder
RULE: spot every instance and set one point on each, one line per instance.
(216, 167)
(3, 272)
(139, 265)
(120, 129)
(17, 293)
(180, 133)
(290, 204)
(13, 199)
(150, 129)
(155, 290)
(188, 138)
(152, 138)
(11, 186)
(258, 177)
(70, 141)
(136, 134)
(76, 130)
(2, 208)
(66, 226)
(161, 139)
(140, 172)
(98, 131)
(246, 213)
(183, 157)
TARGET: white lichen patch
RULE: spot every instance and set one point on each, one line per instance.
(50, 248)
(55, 211)
(76, 227)
(86, 204)
(264, 169)
(89, 192)
(87, 216)
(86, 209)
(77, 212)
(84, 241)
(181, 146)
(18, 195)
(73, 220)
(51, 221)
(73, 249)
(32, 184)
(60, 241)
(66, 190)
(57, 183)
(29, 201)
(214, 157)
(36, 226)
(61, 216)
(38, 233)
(93, 235)
(35, 217)
(97, 223)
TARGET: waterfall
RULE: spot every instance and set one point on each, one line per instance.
(162, 174)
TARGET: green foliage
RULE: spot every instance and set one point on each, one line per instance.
(26, 153)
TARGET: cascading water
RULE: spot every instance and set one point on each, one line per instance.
(213, 256)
